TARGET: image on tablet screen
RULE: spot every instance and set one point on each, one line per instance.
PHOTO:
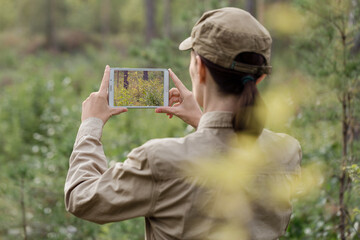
(138, 88)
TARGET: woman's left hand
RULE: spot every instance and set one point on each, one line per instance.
(185, 107)
(97, 105)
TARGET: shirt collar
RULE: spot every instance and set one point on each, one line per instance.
(216, 120)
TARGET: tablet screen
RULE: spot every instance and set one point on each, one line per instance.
(138, 88)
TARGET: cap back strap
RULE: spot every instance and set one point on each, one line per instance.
(252, 69)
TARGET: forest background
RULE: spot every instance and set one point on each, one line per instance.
(52, 55)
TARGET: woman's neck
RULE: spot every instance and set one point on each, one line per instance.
(213, 101)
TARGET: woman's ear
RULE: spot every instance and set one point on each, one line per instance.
(262, 77)
(201, 69)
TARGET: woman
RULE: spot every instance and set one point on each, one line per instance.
(230, 54)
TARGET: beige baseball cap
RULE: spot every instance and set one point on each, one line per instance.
(221, 34)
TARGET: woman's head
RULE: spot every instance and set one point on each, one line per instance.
(234, 49)
(222, 34)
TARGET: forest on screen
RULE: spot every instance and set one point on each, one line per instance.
(138, 88)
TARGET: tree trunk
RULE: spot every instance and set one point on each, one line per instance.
(150, 20)
(167, 18)
(146, 76)
(356, 48)
(352, 20)
(50, 25)
(117, 78)
(260, 10)
(232, 3)
(105, 16)
(343, 177)
(250, 6)
(126, 82)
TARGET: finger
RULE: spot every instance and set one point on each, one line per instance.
(174, 100)
(105, 80)
(176, 105)
(168, 110)
(117, 111)
(174, 92)
(177, 82)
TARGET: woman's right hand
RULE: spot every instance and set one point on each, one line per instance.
(182, 103)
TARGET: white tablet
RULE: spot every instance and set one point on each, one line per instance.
(138, 87)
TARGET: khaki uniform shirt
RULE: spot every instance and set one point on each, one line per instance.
(150, 182)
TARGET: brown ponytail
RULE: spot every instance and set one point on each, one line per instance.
(247, 118)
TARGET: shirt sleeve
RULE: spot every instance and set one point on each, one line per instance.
(100, 194)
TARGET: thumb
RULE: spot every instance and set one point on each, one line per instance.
(117, 111)
(169, 110)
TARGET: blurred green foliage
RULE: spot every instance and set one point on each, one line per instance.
(40, 114)
(41, 92)
(327, 48)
